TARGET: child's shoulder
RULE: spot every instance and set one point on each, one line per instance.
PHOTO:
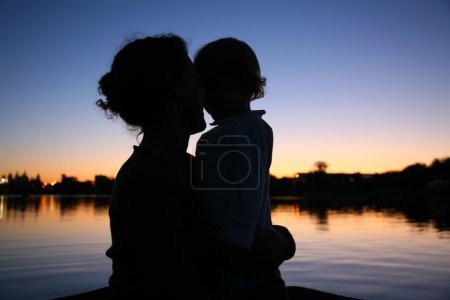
(249, 124)
(244, 120)
(253, 122)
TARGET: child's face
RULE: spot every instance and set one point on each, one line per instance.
(223, 109)
(224, 98)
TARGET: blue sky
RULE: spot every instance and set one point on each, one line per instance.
(362, 85)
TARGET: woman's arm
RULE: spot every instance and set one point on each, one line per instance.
(272, 246)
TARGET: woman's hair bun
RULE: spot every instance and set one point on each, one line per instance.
(141, 80)
(106, 84)
(106, 88)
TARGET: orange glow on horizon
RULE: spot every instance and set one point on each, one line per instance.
(282, 166)
(289, 157)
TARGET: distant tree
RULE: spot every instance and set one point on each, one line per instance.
(10, 183)
(103, 184)
(21, 184)
(282, 186)
(440, 173)
(321, 167)
(414, 176)
(415, 168)
(36, 184)
(441, 166)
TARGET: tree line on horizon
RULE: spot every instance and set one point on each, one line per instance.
(23, 185)
(416, 177)
(413, 178)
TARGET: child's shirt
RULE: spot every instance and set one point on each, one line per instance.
(231, 176)
(233, 161)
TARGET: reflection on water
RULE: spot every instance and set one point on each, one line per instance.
(437, 220)
(367, 253)
(2, 204)
(52, 246)
(20, 208)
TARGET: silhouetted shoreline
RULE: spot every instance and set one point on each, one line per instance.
(417, 180)
(421, 193)
(69, 185)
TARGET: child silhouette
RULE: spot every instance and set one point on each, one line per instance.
(232, 166)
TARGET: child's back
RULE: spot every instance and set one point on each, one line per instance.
(232, 165)
(236, 156)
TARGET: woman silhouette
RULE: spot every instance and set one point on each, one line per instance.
(151, 87)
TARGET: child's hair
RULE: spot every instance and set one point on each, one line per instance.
(143, 79)
(230, 57)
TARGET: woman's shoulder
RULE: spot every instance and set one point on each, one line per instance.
(143, 168)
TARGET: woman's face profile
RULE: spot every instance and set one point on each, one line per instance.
(193, 98)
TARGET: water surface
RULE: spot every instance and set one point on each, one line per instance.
(52, 246)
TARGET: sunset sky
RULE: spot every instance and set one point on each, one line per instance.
(361, 85)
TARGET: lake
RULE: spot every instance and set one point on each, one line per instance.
(55, 245)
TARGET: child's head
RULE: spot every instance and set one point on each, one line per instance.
(231, 76)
